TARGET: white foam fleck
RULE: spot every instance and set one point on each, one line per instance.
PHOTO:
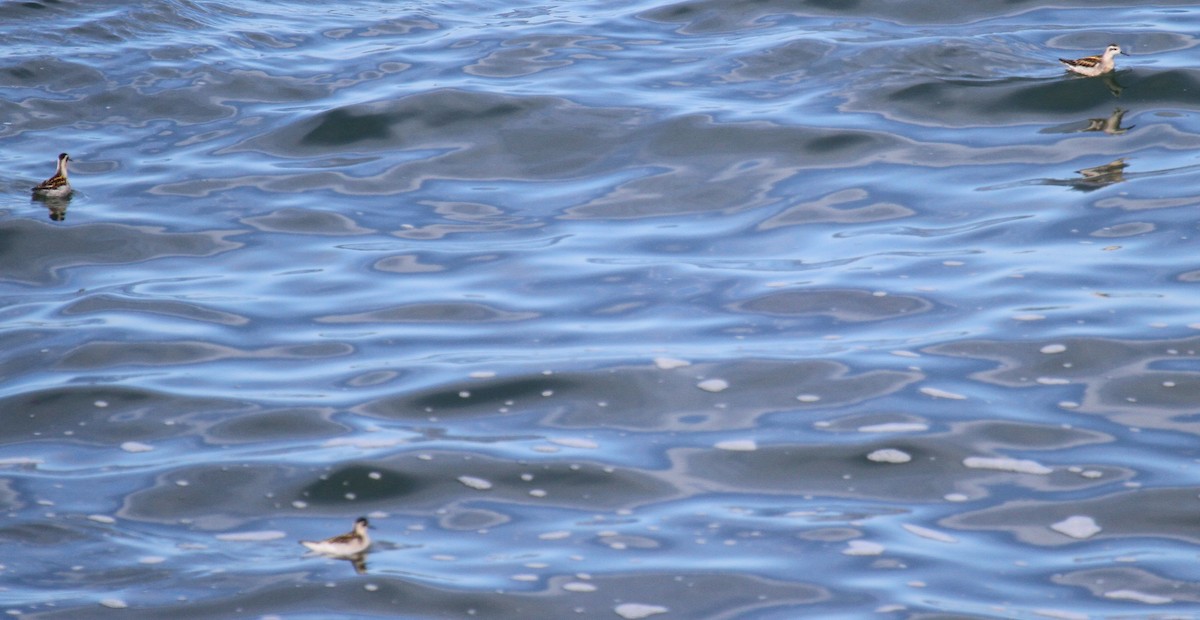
(863, 547)
(1141, 597)
(136, 446)
(1017, 466)
(1051, 349)
(925, 532)
(938, 393)
(713, 385)
(1053, 381)
(575, 442)
(667, 363)
(1077, 526)
(524, 577)
(558, 535)
(483, 374)
(151, 559)
(578, 586)
(102, 519)
(737, 445)
(258, 536)
(114, 603)
(889, 455)
(894, 427)
(479, 484)
(635, 611)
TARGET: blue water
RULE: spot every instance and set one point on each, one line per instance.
(703, 309)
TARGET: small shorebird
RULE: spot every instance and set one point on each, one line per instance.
(342, 545)
(1092, 66)
(56, 186)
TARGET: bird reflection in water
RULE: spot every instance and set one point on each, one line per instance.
(1097, 177)
(57, 205)
(1110, 125)
(1089, 179)
(1110, 82)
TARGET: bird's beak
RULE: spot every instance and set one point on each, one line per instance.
(1124, 53)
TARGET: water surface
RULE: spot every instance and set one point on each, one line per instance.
(698, 309)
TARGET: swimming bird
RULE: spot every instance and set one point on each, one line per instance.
(1092, 66)
(57, 185)
(350, 543)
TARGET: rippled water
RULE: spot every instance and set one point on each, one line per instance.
(705, 309)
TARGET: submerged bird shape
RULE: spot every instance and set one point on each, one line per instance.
(1092, 66)
(350, 543)
(57, 185)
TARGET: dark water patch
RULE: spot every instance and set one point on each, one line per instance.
(35, 253)
(97, 355)
(840, 305)
(406, 263)
(1124, 515)
(446, 312)
(710, 17)
(104, 415)
(1136, 585)
(477, 397)
(278, 425)
(107, 354)
(51, 75)
(936, 465)
(306, 222)
(457, 135)
(449, 119)
(755, 159)
(109, 304)
(632, 397)
(364, 483)
(78, 95)
(211, 497)
(1138, 383)
(689, 593)
(423, 482)
(42, 534)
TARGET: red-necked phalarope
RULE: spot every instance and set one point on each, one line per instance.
(57, 185)
(1092, 66)
(351, 543)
